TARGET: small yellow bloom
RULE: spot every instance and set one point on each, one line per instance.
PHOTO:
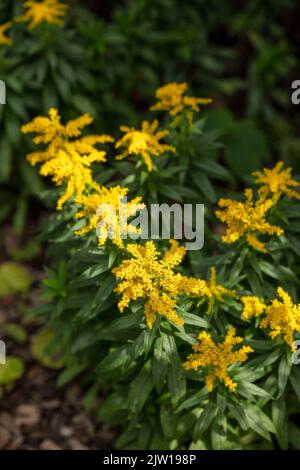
(3, 38)
(253, 241)
(149, 276)
(282, 318)
(253, 306)
(173, 99)
(210, 290)
(247, 219)
(216, 292)
(276, 183)
(144, 142)
(104, 210)
(49, 11)
(72, 169)
(217, 357)
(51, 131)
(67, 157)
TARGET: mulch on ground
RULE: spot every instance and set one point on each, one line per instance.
(36, 413)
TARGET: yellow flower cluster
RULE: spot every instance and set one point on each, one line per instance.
(105, 211)
(67, 157)
(247, 219)
(49, 11)
(282, 318)
(253, 306)
(145, 273)
(144, 142)
(173, 99)
(146, 276)
(216, 292)
(5, 40)
(210, 290)
(217, 357)
(275, 183)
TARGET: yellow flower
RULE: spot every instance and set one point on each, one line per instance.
(210, 290)
(247, 219)
(253, 306)
(3, 38)
(72, 169)
(67, 157)
(216, 291)
(51, 131)
(282, 318)
(49, 11)
(148, 276)
(172, 98)
(217, 357)
(144, 142)
(105, 211)
(276, 183)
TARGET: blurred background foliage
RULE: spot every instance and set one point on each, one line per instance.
(110, 57)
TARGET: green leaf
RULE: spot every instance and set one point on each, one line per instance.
(68, 374)
(215, 170)
(140, 389)
(27, 252)
(280, 420)
(112, 258)
(246, 148)
(40, 349)
(84, 105)
(253, 389)
(269, 269)
(218, 434)
(122, 328)
(116, 359)
(295, 380)
(12, 370)
(15, 331)
(221, 119)
(159, 365)
(20, 215)
(259, 421)
(284, 370)
(14, 279)
(33, 181)
(49, 97)
(170, 192)
(12, 129)
(192, 319)
(6, 158)
(294, 435)
(204, 420)
(204, 185)
(194, 401)
(239, 414)
(198, 445)
(167, 420)
(221, 404)
(176, 375)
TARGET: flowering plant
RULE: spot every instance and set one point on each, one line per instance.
(41, 61)
(195, 350)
